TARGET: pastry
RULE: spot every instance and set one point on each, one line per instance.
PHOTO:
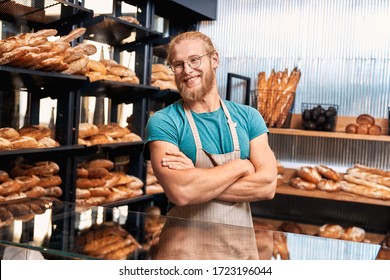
(309, 174)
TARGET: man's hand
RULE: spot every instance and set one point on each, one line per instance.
(176, 160)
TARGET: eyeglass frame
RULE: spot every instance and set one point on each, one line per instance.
(199, 57)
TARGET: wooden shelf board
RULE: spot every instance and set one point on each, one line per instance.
(309, 229)
(342, 135)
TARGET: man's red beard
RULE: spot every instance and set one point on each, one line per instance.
(197, 94)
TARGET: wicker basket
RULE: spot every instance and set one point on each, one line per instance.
(319, 117)
(276, 107)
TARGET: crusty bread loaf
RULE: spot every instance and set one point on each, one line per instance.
(309, 174)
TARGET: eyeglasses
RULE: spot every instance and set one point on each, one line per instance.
(193, 62)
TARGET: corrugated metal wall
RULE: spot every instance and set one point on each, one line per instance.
(342, 48)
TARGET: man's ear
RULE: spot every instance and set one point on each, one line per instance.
(215, 60)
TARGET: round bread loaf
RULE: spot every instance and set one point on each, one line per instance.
(309, 174)
(362, 129)
(354, 234)
(328, 172)
(331, 231)
(8, 133)
(351, 128)
(375, 130)
(365, 119)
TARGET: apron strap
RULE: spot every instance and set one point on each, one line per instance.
(232, 126)
(194, 130)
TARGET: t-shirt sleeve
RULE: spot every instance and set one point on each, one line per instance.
(257, 124)
(160, 127)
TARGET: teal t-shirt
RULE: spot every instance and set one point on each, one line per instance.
(171, 125)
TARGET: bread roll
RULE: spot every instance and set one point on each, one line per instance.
(3, 176)
(328, 172)
(105, 163)
(331, 231)
(328, 185)
(299, 183)
(87, 129)
(365, 119)
(309, 174)
(8, 133)
(24, 142)
(351, 128)
(35, 131)
(375, 130)
(354, 234)
(5, 144)
(113, 130)
(362, 129)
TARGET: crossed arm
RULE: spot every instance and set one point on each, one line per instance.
(236, 181)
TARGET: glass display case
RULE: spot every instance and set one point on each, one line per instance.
(50, 229)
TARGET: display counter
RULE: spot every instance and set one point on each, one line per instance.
(51, 229)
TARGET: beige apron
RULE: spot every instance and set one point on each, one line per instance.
(214, 229)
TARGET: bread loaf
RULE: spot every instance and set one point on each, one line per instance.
(309, 174)
(365, 119)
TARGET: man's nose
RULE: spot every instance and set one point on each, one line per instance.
(186, 67)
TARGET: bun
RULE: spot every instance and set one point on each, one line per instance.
(8, 133)
(85, 183)
(97, 172)
(88, 49)
(351, 128)
(10, 186)
(36, 192)
(328, 185)
(113, 130)
(50, 181)
(362, 129)
(97, 66)
(82, 193)
(82, 172)
(24, 142)
(375, 130)
(48, 142)
(99, 139)
(105, 163)
(331, 231)
(87, 129)
(365, 119)
(328, 172)
(35, 131)
(5, 144)
(53, 191)
(309, 174)
(27, 182)
(354, 234)
(302, 184)
(3, 176)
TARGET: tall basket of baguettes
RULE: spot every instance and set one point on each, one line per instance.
(275, 96)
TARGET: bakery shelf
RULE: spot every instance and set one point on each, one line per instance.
(67, 150)
(120, 91)
(342, 135)
(113, 31)
(47, 14)
(309, 229)
(340, 195)
(45, 83)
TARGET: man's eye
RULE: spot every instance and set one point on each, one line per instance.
(194, 59)
(177, 65)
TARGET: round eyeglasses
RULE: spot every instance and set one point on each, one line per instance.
(193, 62)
